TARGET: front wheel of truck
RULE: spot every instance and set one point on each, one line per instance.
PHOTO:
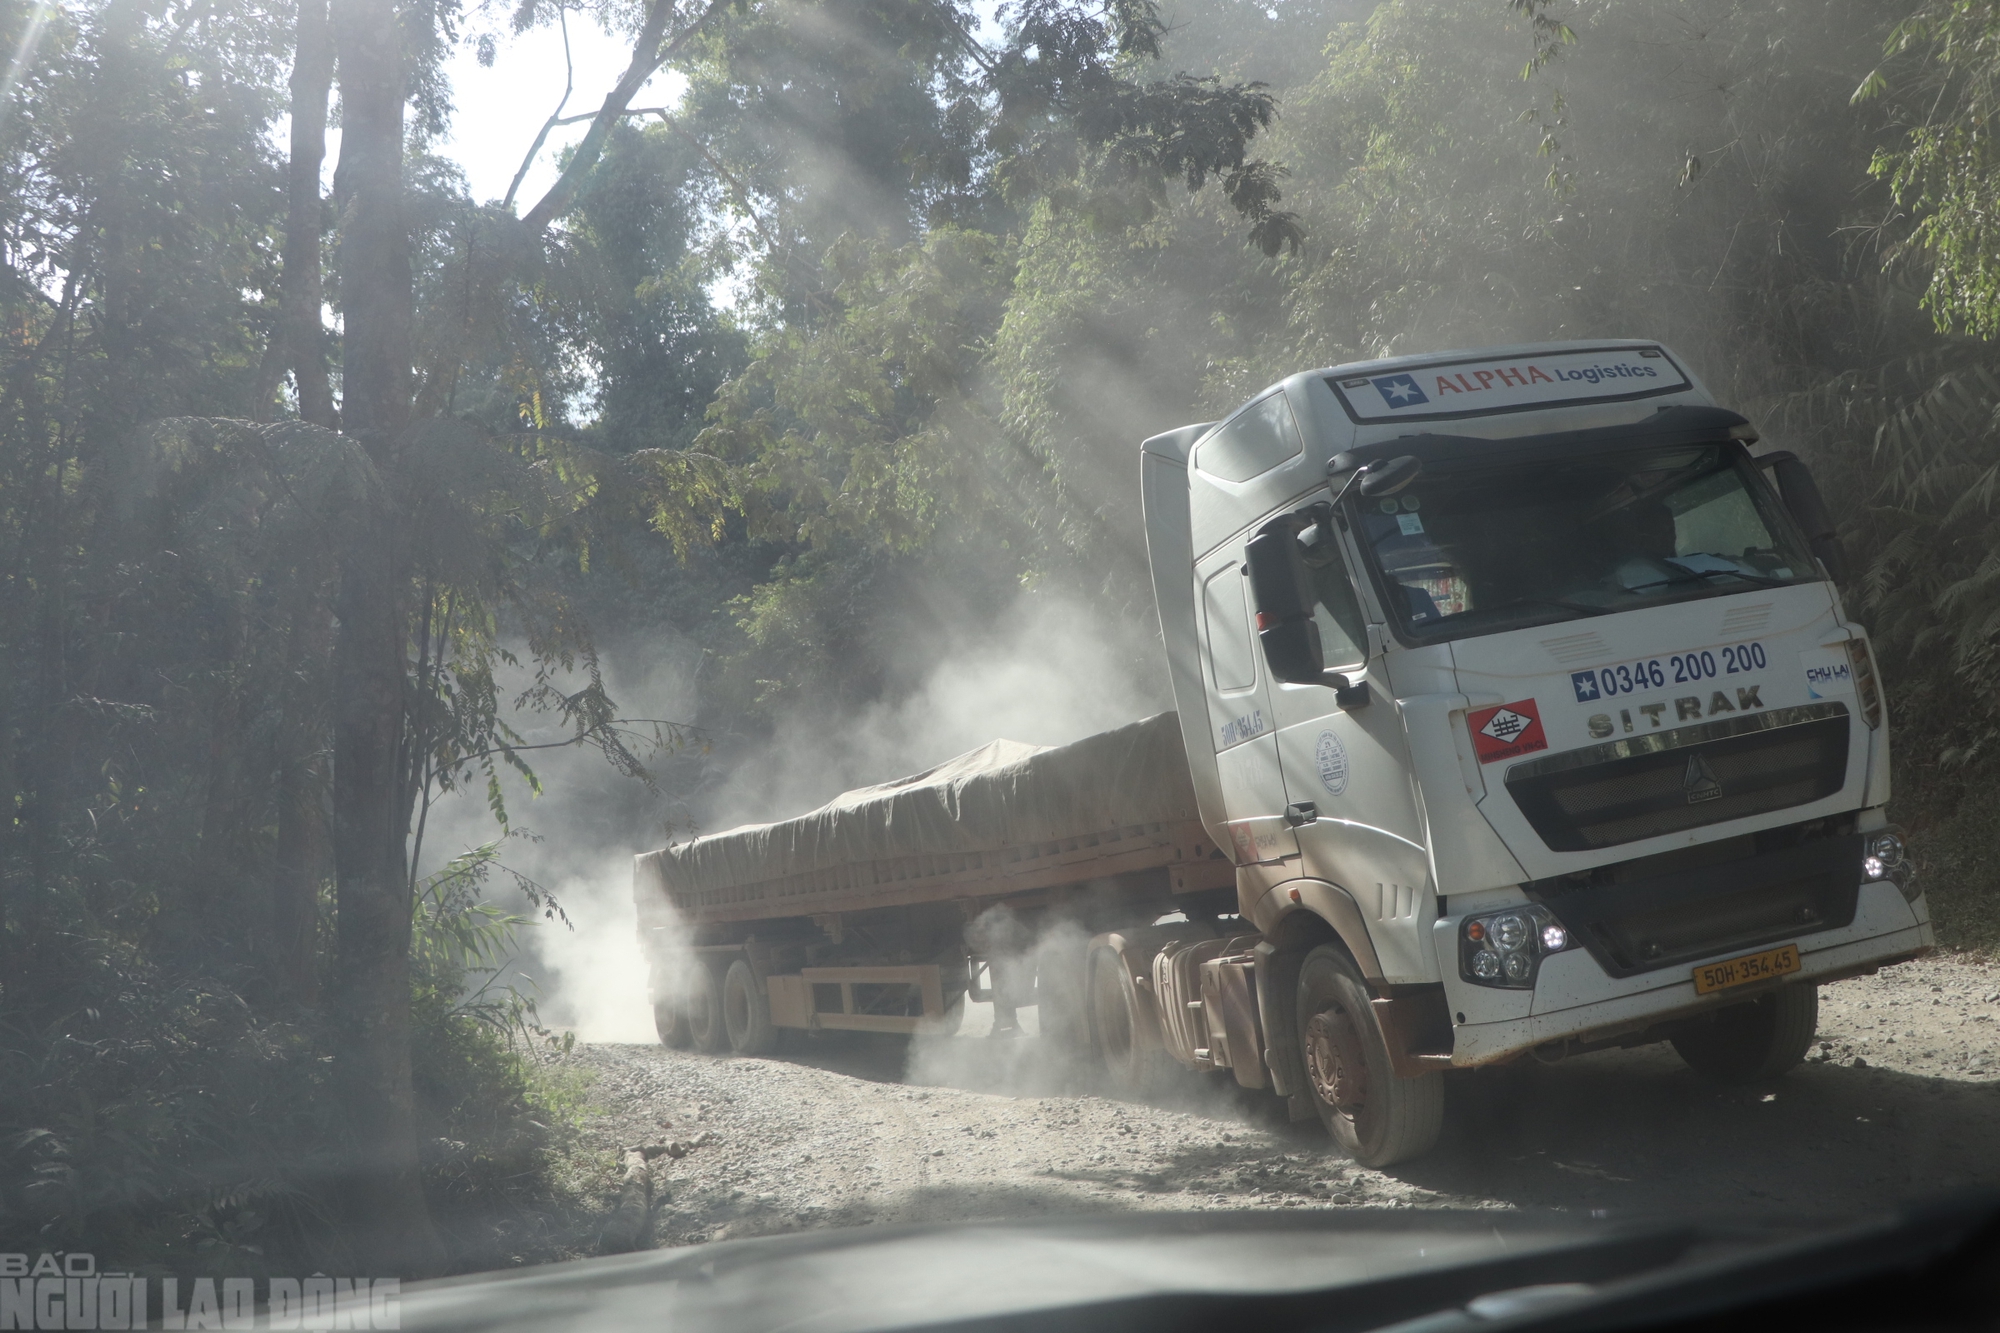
(1377, 1118)
(1754, 1040)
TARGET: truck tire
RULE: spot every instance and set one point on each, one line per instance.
(670, 1020)
(1377, 1118)
(1754, 1040)
(704, 1009)
(1111, 1001)
(746, 1012)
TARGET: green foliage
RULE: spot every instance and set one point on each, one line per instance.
(167, 569)
(863, 425)
(1075, 129)
(1941, 76)
(161, 1121)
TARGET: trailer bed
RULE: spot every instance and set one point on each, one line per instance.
(1003, 820)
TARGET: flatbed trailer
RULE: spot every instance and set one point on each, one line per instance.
(854, 916)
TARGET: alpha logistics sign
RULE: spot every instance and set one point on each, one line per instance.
(1509, 383)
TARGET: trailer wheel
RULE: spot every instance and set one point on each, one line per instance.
(704, 1009)
(670, 1020)
(1112, 1003)
(1754, 1040)
(1377, 1118)
(746, 1012)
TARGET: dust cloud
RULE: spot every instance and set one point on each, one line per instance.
(1048, 672)
(577, 839)
(1030, 1063)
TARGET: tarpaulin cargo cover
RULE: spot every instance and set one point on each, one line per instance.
(1005, 818)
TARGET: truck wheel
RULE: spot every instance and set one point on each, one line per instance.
(670, 1019)
(1758, 1039)
(1112, 1002)
(1377, 1118)
(704, 1009)
(746, 1012)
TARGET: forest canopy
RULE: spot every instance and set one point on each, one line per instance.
(830, 363)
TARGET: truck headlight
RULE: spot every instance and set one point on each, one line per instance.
(1507, 948)
(1884, 856)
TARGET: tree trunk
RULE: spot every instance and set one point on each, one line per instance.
(300, 295)
(389, 1222)
(305, 851)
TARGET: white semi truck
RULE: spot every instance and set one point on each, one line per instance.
(1517, 713)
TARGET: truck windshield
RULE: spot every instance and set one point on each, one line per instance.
(1477, 549)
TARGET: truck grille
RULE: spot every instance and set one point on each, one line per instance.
(1666, 916)
(1647, 785)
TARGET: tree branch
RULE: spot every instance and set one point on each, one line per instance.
(662, 112)
(647, 56)
(569, 86)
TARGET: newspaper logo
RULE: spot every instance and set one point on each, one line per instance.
(66, 1290)
(1509, 730)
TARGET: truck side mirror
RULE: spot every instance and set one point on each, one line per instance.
(1282, 591)
(1801, 496)
(1283, 598)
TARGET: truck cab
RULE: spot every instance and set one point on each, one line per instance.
(1519, 688)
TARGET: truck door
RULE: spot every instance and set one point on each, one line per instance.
(1351, 765)
(1239, 711)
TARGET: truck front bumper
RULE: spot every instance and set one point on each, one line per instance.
(1574, 997)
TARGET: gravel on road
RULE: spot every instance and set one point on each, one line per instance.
(1900, 1097)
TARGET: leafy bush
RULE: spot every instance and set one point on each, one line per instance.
(159, 1120)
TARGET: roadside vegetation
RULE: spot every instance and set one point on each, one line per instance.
(262, 572)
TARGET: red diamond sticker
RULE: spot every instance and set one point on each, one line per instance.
(1506, 731)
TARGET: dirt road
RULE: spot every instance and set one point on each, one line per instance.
(1901, 1097)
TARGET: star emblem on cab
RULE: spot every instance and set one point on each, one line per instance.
(1399, 390)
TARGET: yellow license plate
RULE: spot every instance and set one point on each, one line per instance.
(1750, 967)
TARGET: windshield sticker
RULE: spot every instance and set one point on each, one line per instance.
(1411, 524)
(1510, 384)
(1331, 756)
(1506, 731)
(1828, 672)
